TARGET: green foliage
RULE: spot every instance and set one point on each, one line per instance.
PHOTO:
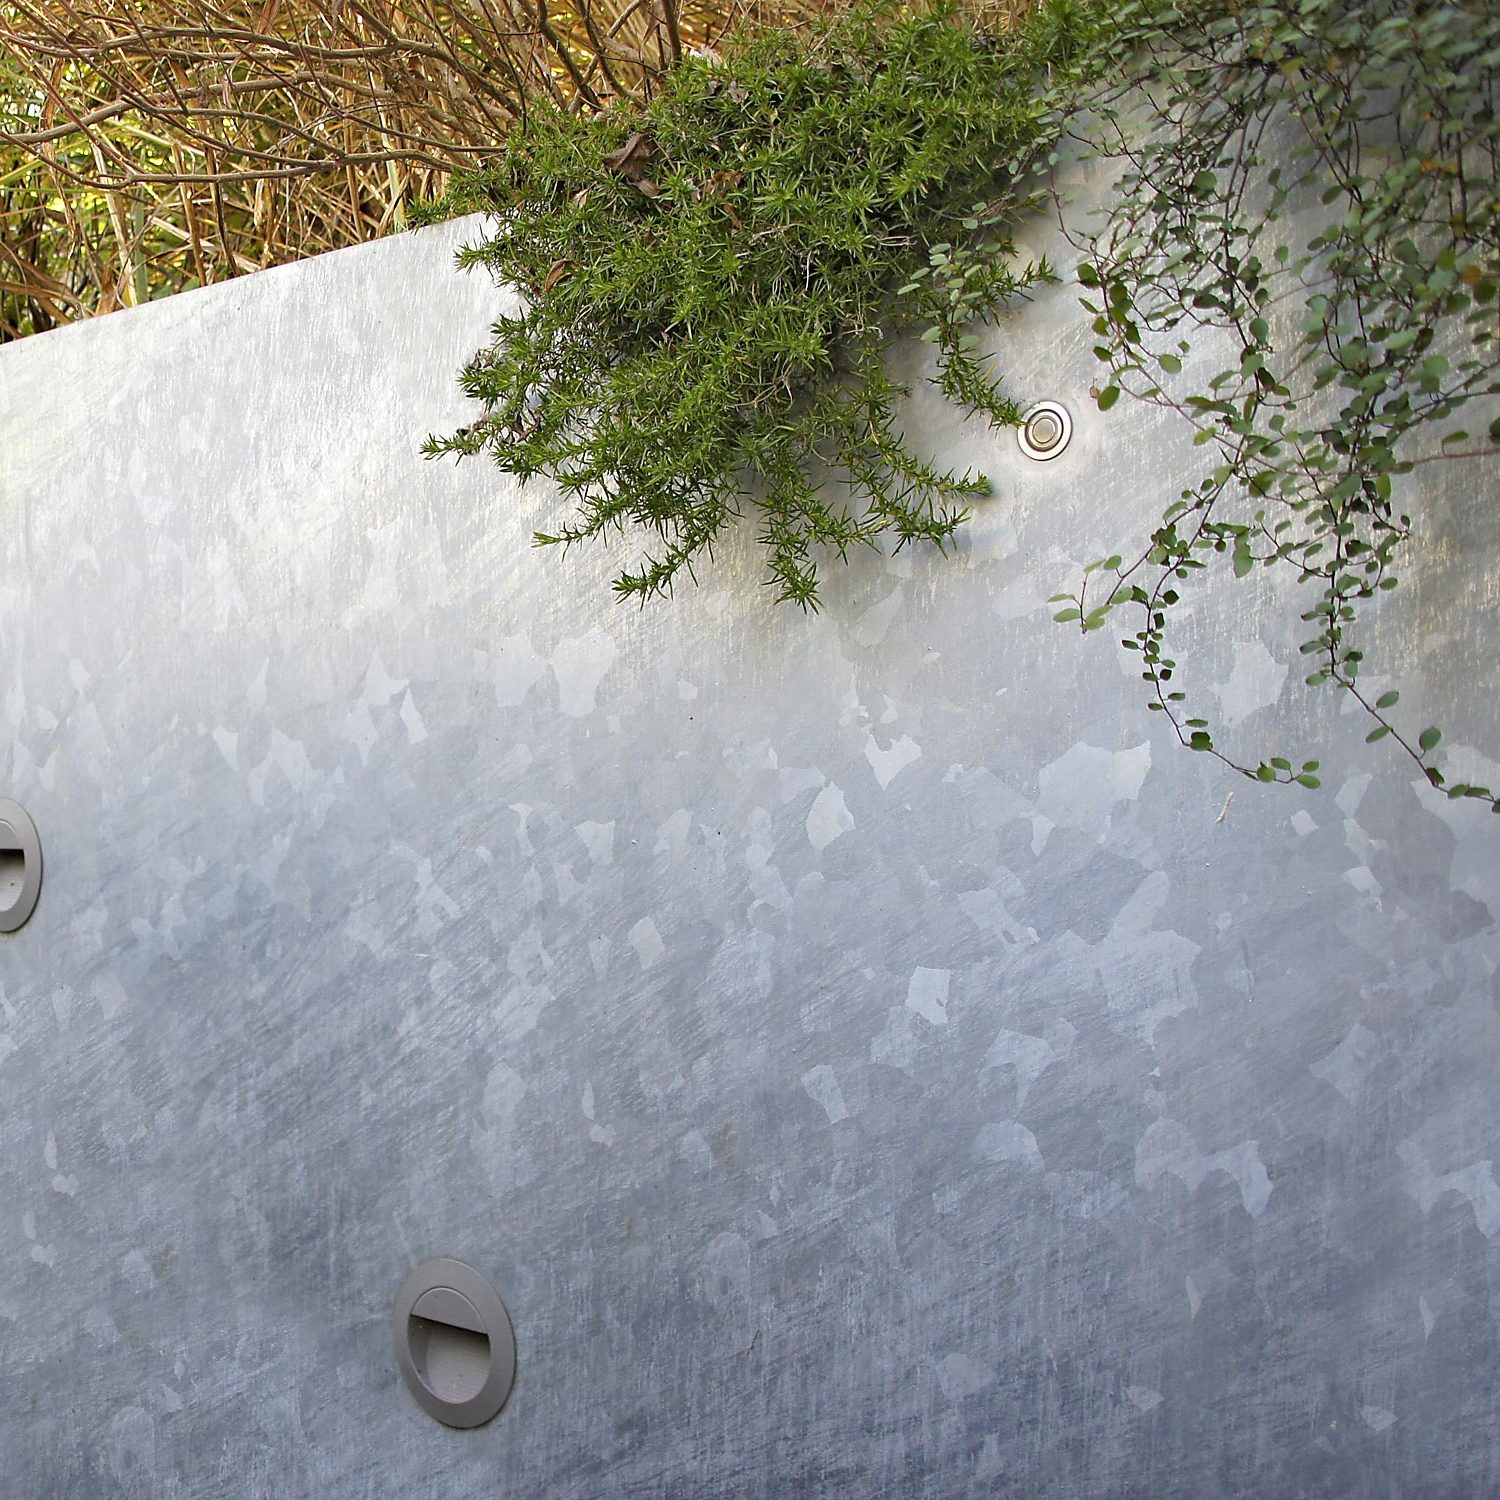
(710, 280)
(1351, 349)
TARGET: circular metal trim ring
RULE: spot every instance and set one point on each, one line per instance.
(1038, 418)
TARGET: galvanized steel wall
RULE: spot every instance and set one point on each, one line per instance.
(868, 1056)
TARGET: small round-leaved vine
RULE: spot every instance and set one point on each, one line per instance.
(1353, 345)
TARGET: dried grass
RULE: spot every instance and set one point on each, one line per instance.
(151, 145)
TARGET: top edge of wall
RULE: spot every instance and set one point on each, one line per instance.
(236, 291)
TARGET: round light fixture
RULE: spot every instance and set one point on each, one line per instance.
(20, 866)
(455, 1346)
(1045, 430)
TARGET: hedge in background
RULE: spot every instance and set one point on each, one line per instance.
(158, 145)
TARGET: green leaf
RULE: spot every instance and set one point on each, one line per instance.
(1388, 700)
(1108, 396)
(1429, 737)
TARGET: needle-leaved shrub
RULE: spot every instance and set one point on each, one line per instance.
(710, 281)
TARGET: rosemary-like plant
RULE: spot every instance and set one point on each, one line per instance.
(711, 280)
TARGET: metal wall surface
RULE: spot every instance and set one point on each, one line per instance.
(867, 1055)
